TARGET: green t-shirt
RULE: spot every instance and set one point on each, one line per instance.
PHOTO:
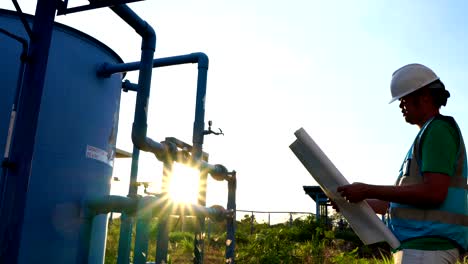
(428, 243)
(439, 148)
(438, 154)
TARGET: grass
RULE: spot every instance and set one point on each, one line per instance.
(305, 242)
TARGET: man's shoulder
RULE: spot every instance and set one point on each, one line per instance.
(442, 128)
(443, 120)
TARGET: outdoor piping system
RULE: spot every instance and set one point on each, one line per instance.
(140, 141)
(231, 222)
(139, 128)
(146, 208)
(151, 204)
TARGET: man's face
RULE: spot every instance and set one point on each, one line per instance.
(411, 108)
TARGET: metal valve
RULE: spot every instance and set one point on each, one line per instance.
(210, 131)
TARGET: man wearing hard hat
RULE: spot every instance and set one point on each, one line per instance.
(428, 206)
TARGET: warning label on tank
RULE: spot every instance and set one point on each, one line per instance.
(99, 154)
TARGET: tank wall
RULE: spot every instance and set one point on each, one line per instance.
(74, 149)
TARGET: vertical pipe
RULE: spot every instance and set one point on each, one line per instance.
(198, 133)
(125, 238)
(127, 221)
(209, 230)
(162, 238)
(231, 222)
(202, 187)
(22, 145)
(148, 46)
(97, 248)
(198, 242)
(142, 235)
(317, 208)
(133, 187)
(326, 212)
(199, 124)
(252, 223)
(199, 239)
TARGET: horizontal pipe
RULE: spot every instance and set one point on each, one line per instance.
(110, 203)
(107, 69)
(155, 206)
(163, 207)
(129, 86)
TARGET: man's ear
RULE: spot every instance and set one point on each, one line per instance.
(426, 97)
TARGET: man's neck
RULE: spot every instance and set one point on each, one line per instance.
(429, 115)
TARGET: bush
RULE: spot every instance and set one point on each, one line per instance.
(176, 237)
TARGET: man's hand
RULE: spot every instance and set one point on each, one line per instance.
(355, 192)
(334, 205)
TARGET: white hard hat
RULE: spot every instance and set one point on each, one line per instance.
(410, 78)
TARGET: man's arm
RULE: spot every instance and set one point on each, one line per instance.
(379, 206)
(430, 193)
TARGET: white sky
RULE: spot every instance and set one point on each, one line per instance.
(276, 66)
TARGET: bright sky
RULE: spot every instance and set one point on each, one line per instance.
(277, 66)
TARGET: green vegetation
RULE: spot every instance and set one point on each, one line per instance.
(305, 241)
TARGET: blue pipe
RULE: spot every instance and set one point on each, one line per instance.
(199, 242)
(201, 58)
(128, 86)
(127, 221)
(199, 124)
(203, 62)
(144, 215)
(162, 240)
(145, 68)
(231, 222)
(150, 204)
(102, 205)
(147, 208)
(110, 203)
(125, 238)
(139, 128)
(162, 237)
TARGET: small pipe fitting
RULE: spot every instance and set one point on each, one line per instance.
(129, 86)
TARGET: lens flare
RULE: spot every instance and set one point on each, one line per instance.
(183, 185)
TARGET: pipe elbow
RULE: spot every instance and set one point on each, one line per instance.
(149, 37)
(139, 140)
(202, 59)
(219, 172)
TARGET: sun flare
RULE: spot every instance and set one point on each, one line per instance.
(183, 187)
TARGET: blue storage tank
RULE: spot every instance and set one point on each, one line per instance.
(75, 141)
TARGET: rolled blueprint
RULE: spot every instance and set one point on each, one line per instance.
(362, 219)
